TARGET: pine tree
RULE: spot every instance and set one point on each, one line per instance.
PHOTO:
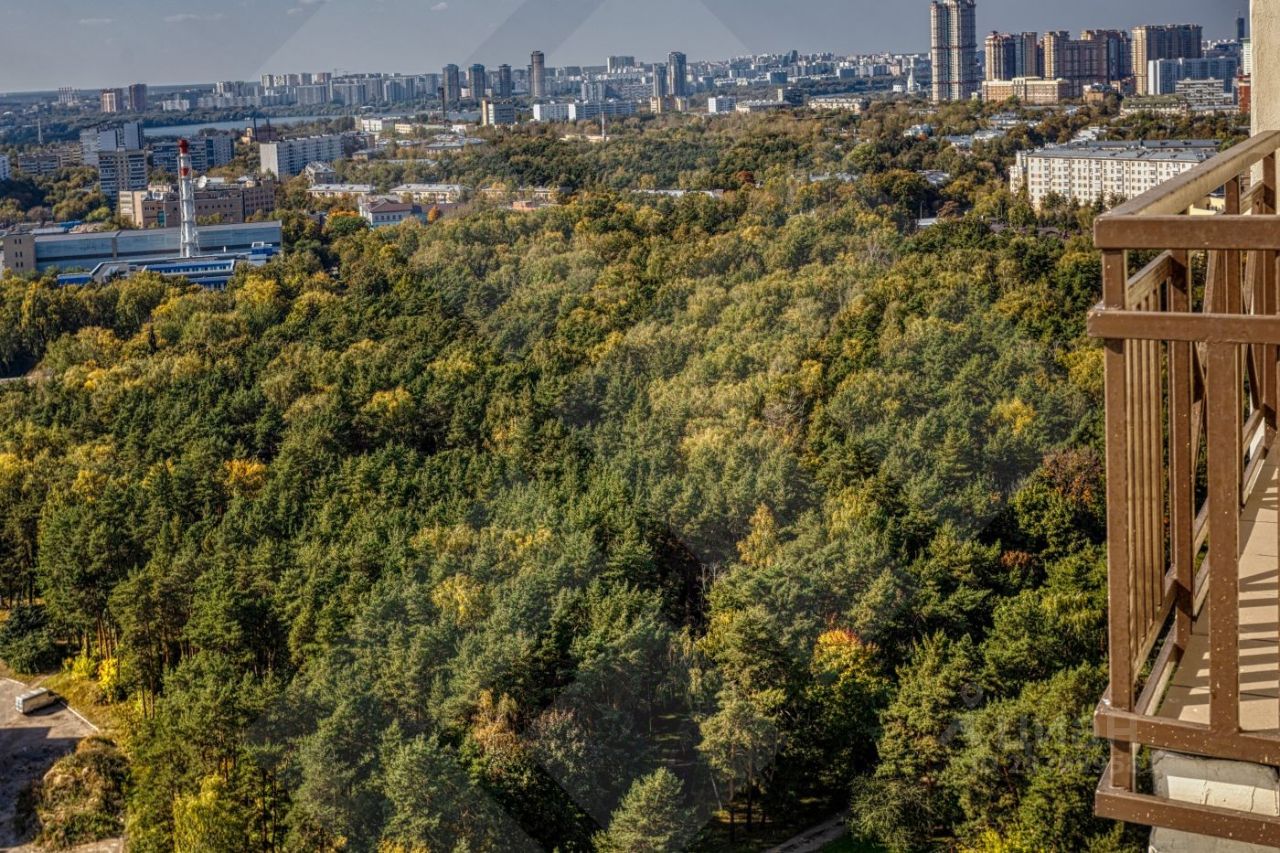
(651, 818)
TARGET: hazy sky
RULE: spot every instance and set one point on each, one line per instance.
(92, 43)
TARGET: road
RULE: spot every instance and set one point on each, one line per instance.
(29, 746)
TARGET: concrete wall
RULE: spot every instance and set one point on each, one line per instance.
(1266, 65)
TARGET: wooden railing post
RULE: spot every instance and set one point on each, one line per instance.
(1182, 509)
(1223, 392)
(1120, 631)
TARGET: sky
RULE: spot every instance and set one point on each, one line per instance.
(101, 43)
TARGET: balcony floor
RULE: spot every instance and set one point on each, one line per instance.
(1187, 697)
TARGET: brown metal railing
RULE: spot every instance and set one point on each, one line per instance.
(1191, 344)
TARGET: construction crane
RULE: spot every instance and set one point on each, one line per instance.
(190, 239)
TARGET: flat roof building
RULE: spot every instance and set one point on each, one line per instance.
(1034, 91)
(26, 251)
(289, 157)
(1089, 172)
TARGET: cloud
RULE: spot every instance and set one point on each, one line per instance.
(189, 17)
(97, 22)
(440, 7)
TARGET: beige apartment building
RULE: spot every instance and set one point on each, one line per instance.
(158, 206)
(1029, 90)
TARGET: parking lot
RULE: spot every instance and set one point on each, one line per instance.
(29, 746)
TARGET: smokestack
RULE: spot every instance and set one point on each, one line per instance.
(189, 238)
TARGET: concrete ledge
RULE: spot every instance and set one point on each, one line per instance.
(1252, 788)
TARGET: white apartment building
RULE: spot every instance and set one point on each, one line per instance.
(357, 191)
(5, 173)
(1087, 172)
(289, 157)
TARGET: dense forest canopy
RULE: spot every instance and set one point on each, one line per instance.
(631, 523)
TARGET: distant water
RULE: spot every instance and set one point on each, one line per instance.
(240, 124)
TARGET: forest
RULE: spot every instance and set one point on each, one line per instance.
(633, 523)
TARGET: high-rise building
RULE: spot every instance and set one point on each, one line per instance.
(1117, 45)
(207, 152)
(137, 97)
(537, 75)
(121, 171)
(660, 89)
(1081, 62)
(954, 49)
(95, 140)
(450, 86)
(478, 81)
(1242, 28)
(1177, 41)
(1011, 55)
(112, 100)
(4, 167)
(677, 75)
(616, 64)
(1164, 75)
(506, 86)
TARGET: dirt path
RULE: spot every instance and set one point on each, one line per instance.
(815, 838)
(29, 746)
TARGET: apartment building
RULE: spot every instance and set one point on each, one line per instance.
(1035, 91)
(121, 171)
(228, 203)
(954, 47)
(1178, 41)
(1088, 172)
(289, 157)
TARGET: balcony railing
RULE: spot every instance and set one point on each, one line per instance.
(1190, 318)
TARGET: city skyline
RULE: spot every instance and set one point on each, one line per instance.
(163, 43)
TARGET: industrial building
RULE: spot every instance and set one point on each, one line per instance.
(38, 251)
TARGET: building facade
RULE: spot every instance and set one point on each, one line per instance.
(136, 95)
(26, 252)
(1090, 172)
(1177, 41)
(1035, 91)
(954, 50)
(478, 81)
(450, 86)
(1011, 55)
(678, 75)
(289, 157)
(1164, 75)
(207, 152)
(159, 207)
(497, 113)
(537, 75)
(120, 171)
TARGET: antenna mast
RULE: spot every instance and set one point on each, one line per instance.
(190, 239)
